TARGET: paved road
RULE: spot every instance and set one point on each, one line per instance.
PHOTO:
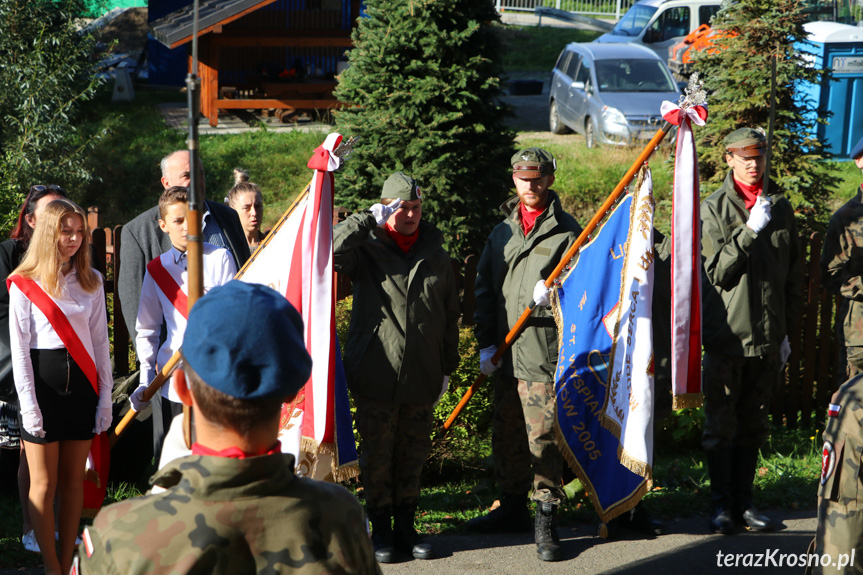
(688, 548)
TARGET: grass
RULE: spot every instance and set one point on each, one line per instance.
(530, 49)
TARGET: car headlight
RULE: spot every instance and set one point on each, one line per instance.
(613, 116)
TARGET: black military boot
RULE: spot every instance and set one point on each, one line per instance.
(636, 519)
(745, 513)
(511, 516)
(405, 537)
(719, 464)
(382, 534)
(545, 532)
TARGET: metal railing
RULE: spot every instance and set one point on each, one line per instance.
(615, 8)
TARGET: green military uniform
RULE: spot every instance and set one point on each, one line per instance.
(229, 516)
(523, 443)
(841, 270)
(751, 293)
(402, 341)
(840, 492)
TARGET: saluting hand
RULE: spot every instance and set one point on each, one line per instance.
(382, 213)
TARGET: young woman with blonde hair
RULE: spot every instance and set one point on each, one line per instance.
(248, 201)
(62, 370)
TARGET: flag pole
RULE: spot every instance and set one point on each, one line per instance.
(609, 202)
(343, 151)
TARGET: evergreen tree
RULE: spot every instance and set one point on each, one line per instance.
(737, 76)
(46, 70)
(423, 92)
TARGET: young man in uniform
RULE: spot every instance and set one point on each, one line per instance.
(235, 505)
(752, 291)
(519, 254)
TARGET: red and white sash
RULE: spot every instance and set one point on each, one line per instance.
(169, 286)
(60, 323)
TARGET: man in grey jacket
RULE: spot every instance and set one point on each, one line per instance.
(752, 291)
(519, 254)
(142, 240)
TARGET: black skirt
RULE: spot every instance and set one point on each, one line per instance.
(65, 396)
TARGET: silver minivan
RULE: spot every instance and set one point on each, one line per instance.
(659, 24)
(611, 93)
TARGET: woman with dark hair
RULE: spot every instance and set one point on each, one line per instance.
(11, 254)
(58, 332)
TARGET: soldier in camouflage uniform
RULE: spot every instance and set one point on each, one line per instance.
(402, 345)
(235, 505)
(840, 493)
(841, 270)
(519, 254)
(752, 291)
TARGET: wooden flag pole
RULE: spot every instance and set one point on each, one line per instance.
(609, 202)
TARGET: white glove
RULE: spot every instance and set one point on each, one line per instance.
(541, 294)
(104, 416)
(759, 217)
(485, 364)
(444, 388)
(382, 213)
(137, 398)
(784, 352)
(32, 421)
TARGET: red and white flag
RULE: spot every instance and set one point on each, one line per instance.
(296, 260)
(685, 259)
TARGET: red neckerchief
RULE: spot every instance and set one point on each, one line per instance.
(404, 242)
(528, 218)
(747, 192)
(233, 452)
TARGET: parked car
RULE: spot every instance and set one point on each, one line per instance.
(659, 24)
(611, 93)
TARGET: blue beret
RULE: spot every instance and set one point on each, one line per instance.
(246, 340)
(857, 150)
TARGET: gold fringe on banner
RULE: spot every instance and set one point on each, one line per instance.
(687, 400)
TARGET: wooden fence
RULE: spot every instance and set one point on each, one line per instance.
(810, 379)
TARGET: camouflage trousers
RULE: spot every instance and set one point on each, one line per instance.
(523, 443)
(737, 392)
(840, 491)
(854, 359)
(396, 444)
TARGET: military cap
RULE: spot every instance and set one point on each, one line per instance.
(401, 186)
(746, 142)
(857, 150)
(246, 340)
(532, 163)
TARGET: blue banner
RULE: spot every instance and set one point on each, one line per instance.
(588, 311)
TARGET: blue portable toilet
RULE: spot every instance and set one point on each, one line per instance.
(840, 48)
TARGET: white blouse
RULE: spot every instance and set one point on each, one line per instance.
(29, 328)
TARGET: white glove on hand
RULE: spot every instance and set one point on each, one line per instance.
(32, 421)
(137, 398)
(485, 364)
(444, 388)
(759, 217)
(541, 294)
(784, 352)
(382, 213)
(104, 416)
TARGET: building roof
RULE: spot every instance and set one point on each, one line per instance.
(176, 28)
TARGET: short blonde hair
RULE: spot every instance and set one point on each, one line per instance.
(43, 261)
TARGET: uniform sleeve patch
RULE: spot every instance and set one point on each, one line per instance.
(833, 410)
(88, 543)
(74, 570)
(828, 462)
